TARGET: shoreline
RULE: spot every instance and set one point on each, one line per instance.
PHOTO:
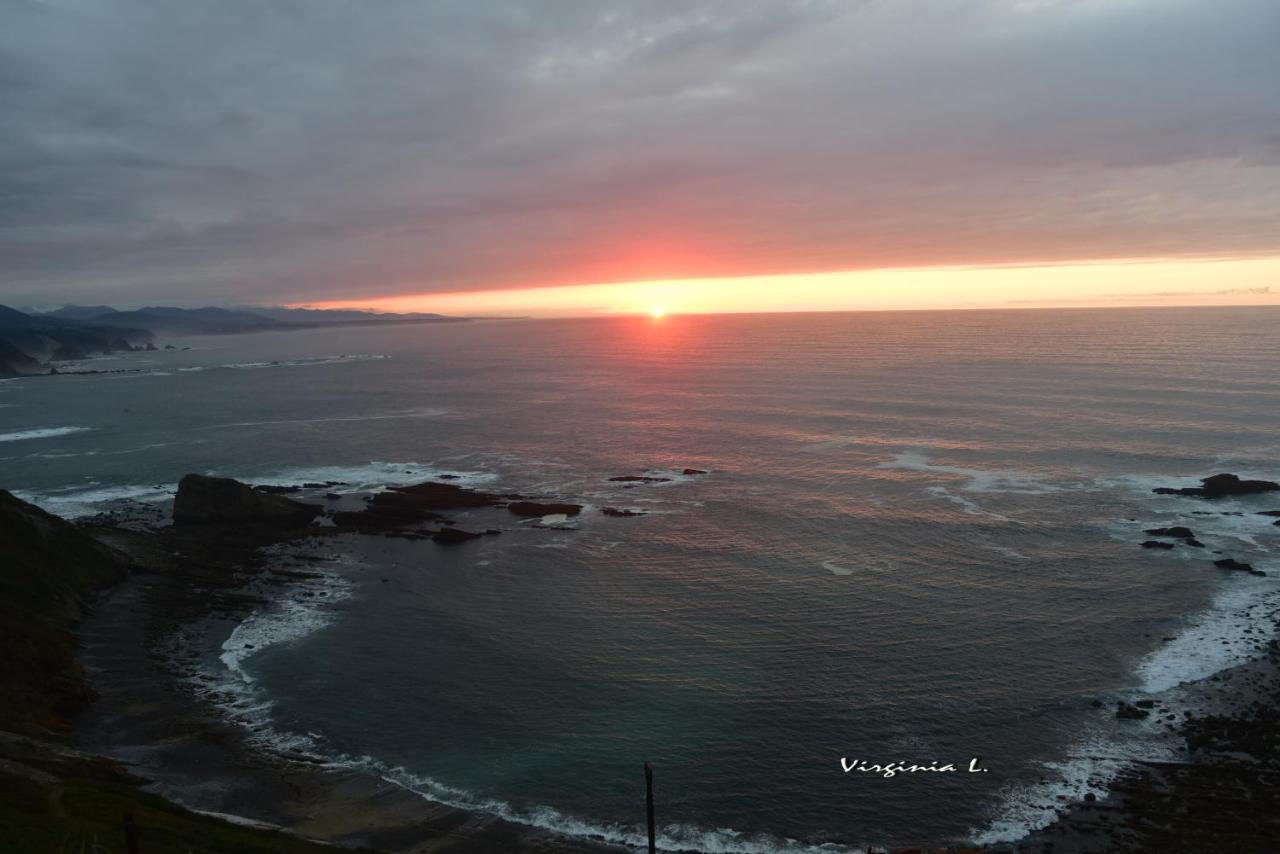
(219, 572)
(211, 765)
(1221, 794)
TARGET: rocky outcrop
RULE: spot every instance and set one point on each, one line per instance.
(1157, 544)
(1222, 486)
(48, 570)
(203, 500)
(453, 536)
(1237, 566)
(621, 512)
(693, 471)
(1130, 712)
(639, 478)
(402, 507)
(1176, 531)
(538, 508)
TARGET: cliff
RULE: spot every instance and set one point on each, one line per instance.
(50, 570)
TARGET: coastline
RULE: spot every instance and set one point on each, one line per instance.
(147, 716)
(1222, 794)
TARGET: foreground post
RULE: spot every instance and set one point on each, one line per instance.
(131, 835)
(648, 806)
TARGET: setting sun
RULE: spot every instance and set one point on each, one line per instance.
(657, 312)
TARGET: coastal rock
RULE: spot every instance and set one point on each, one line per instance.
(1156, 544)
(693, 471)
(639, 478)
(1177, 531)
(1222, 486)
(203, 499)
(621, 512)
(402, 506)
(1235, 565)
(537, 508)
(453, 536)
(1127, 712)
(436, 496)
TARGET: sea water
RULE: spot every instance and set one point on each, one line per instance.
(917, 542)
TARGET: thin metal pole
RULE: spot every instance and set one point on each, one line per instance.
(648, 806)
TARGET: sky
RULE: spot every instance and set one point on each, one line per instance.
(594, 156)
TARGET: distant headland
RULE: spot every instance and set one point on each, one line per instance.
(33, 342)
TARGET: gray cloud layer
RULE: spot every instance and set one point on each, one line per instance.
(241, 150)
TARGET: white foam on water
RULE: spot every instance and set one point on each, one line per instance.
(288, 363)
(671, 837)
(970, 507)
(1007, 551)
(424, 412)
(295, 616)
(1090, 767)
(1214, 640)
(74, 502)
(239, 820)
(1211, 641)
(42, 433)
(364, 478)
(835, 568)
(979, 480)
(297, 611)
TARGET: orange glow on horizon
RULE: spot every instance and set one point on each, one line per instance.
(1136, 282)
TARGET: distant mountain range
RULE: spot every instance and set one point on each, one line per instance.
(30, 342)
(229, 321)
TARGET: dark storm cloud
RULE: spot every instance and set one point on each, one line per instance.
(269, 151)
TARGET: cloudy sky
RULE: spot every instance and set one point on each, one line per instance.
(271, 151)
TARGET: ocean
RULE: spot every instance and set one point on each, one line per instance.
(918, 540)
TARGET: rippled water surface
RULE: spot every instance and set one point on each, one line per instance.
(917, 542)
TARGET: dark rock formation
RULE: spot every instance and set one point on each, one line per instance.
(204, 499)
(437, 496)
(50, 568)
(1233, 564)
(619, 511)
(693, 471)
(271, 489)
(636, 478)
(1222, 486)
(1127, 712)
(403, 506)
(453, 536)
(536, 508)
(1156, 544)
(1176, 531)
